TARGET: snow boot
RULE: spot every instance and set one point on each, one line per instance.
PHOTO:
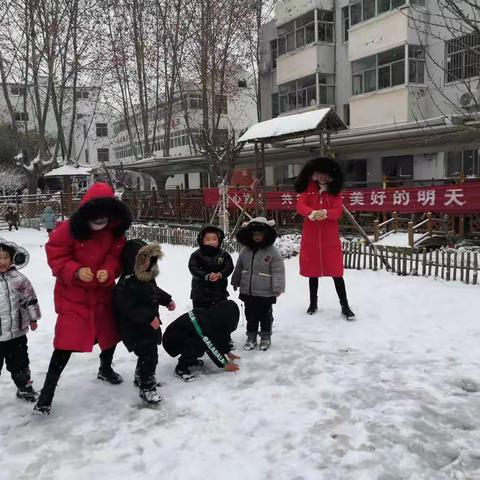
(42, 409)
(183, 373)
(251, 343)
(107, 374)
(136, 379)
(313, 307)
(27, 393)
(347, 313)
(150, 395)
(196, 363)
(265, 341)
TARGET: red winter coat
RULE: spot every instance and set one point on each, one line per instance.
(85, 309)
(320, 248)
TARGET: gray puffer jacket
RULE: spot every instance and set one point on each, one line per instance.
(260, 270)
(18, 305)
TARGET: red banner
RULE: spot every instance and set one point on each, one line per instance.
(456, 199)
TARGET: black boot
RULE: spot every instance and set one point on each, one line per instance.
(136, 378)
(347, 313)
(313, 307)
(44, 402)
(106, 372)
(24, 385)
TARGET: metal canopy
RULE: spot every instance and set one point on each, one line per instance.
(294, 126)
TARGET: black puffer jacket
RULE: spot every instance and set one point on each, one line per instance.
(216, 323)
(208, 260)
(136, 296)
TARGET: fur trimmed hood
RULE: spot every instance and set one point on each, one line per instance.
(19, 255)
(100, 201)
(209, 228)
(245, 234)
(134, 256)
(321, 165)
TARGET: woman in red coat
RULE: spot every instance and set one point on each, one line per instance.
(84, 255)
(320, 203)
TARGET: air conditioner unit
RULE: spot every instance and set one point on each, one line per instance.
(467, 100)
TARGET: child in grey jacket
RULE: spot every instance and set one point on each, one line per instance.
(260, 274)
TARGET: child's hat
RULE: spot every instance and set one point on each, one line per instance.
(19, 255)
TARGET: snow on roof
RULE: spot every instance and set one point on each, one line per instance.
(70, 170)
(291, 126)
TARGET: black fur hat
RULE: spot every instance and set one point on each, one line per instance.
(98, 202)
(321, 165)
(245, 234)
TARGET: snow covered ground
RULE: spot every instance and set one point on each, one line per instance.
(387, 397)
(399, 239)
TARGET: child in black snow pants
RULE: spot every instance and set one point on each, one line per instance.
(260, 274)
(136, 298)
(19, 311)
(203, 330)
(210, 267)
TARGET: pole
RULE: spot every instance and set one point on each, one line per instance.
(361, 231)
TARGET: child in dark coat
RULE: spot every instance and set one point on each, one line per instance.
(136, 299)
(11, 217)
(203, 330)
(210, 267)
(260, 275)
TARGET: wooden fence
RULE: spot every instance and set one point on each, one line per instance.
(449, 265)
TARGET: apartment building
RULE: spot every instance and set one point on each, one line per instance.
(237, 111)
(376, 63)
(92, 128)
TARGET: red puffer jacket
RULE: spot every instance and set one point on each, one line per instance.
(85, 309)
(320, 248)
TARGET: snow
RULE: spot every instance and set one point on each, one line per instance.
(399, 239)
(391, 396)
(300, 122)
(70, 170)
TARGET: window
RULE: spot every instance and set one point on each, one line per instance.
(102, 130)
(17, 90)
(467, 162)
(301, 32)
(221, 104)
(391, 67)
(398, 168)
(355, 173)
(119, 126)
(274, 53)
(463, 57)
(102, 154)
(21, 116)
(275, 106)
(363, 10)
(86, 156)
(81, 94)
(345, 23)
(416, 64)
(195, 102)
(346, 114)
(364, 75)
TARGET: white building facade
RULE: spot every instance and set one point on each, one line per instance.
(373, 63)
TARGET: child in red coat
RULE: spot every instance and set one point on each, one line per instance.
(320, 203)
(84, 255)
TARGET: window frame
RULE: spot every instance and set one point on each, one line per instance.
(21, 116)
(359, 16)
(462, 49)
(101, 152)
(102, 128)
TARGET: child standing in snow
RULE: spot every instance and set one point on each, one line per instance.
(11, 217)
(19, 311)
(84, 255)
(48, 219)
(136, 298)
(203, 330)
(260, 274)
(210, 267)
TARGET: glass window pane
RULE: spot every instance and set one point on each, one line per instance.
(331, 95)
(323, 100)
(311, 96)
(415, 51)
(284, 29)
(370, 80)
(355, 13)
(357, 83)
(283, 103)
(383, 6)
(398, 73)
(304, 19)
(306, 82)
(292, 101)
(290, 42)
(282, 45)
(364, 64)
(310, 33)
(322, 35)
(421, 72)
(412, 71)
(454, 164)
(329, 33)
(368, 9)
(384, 80)
(325, 15)
(300, 38)
(391, 55)
(301, 98)
(468, 160)
(397, 3)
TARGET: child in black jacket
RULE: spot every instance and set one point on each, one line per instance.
(136, 298)
(210, 267)
(203, 330)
